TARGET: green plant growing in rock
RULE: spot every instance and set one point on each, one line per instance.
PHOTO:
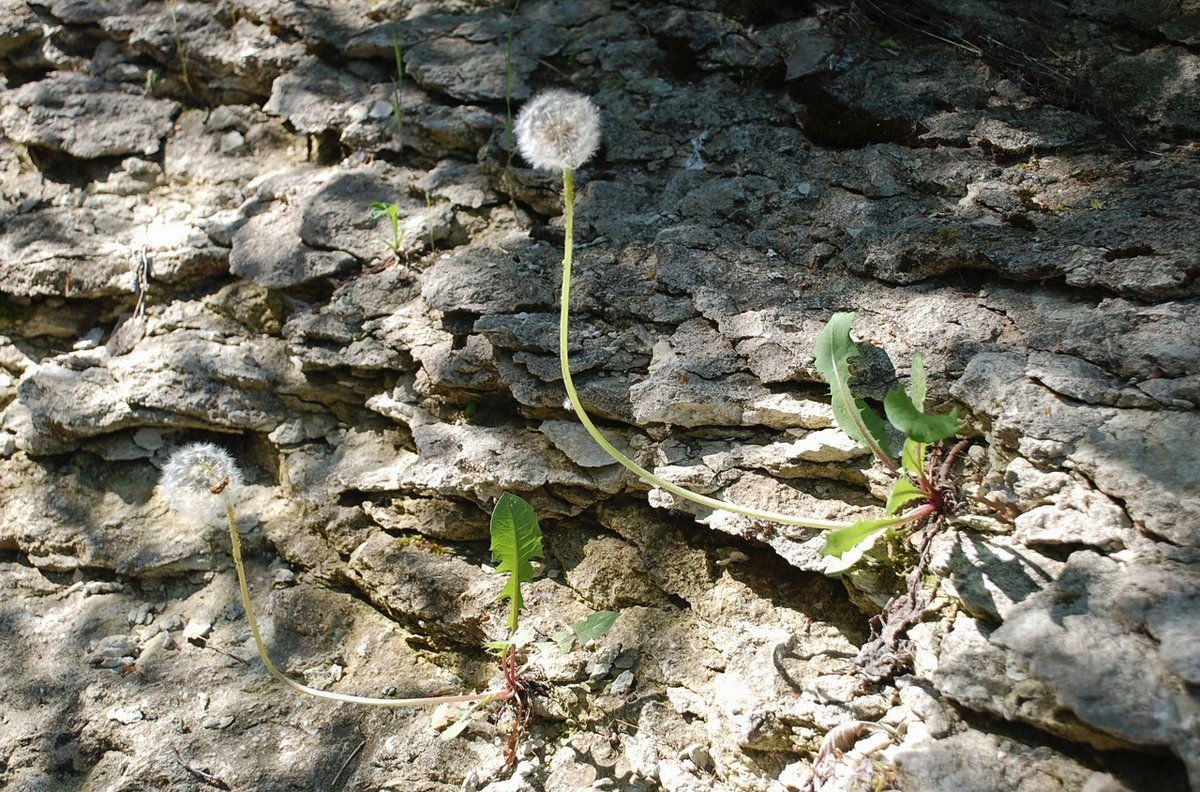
(560, 131)
(391, 211)
(921, 476)
(516, 542)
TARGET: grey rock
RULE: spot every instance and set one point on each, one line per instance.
(267, 250)
(573, 439)
(785, 411)
(1118, 449)
(229, 58)
(1172, 70)
(468, 70)
(1183, 29)
(990, 576)
(825, 445)
(979, 675)
(1123, 622)
(63, 524)
(437, 594)
(335, 216)
(315, 97)
(40, 252)
(178, 380)
(440, 519)
(230, 145)
(18, 26)
(86, 117)
(954, 763)
(607, 572)
(482, 281)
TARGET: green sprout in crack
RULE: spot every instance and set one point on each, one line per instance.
(391, 211)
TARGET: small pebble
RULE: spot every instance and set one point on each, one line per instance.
(599, 670)
(91, 340)
(282, 578)
(95, 587)
(112, 651)
(698, 755)
(197, 628)
(125, 715)
(149, 439)
(143, 615)
(623, 683)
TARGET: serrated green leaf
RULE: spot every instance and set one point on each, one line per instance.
(498, 647)
(903, 491)
(378, 210)
(595, 626)
(516, 541)
(915, 424)
(834, 351)
(917, 381)
(912, 458)
(846, 546)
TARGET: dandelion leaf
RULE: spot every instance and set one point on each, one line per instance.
(516, 541)
(834, 351)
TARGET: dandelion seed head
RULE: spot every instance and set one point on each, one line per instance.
(558, 130)
(199, 479)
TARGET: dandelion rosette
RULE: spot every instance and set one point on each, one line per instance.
(199, 479)
(558, 130)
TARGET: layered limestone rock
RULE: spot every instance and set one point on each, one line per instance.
(187, 253)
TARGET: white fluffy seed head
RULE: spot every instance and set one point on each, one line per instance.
(199, 478)
(558, 130)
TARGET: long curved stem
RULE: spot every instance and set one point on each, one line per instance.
(423, 701)
(565, 362)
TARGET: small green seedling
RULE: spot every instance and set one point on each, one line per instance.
(516, 542)
(919, 478)
(391, 211)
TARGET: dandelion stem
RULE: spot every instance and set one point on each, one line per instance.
(423, 701)
(565, 362)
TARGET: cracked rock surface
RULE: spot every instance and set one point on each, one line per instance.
(186, 254)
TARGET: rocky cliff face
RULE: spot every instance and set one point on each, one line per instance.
(186, 254)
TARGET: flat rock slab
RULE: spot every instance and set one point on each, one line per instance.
(86, 117)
